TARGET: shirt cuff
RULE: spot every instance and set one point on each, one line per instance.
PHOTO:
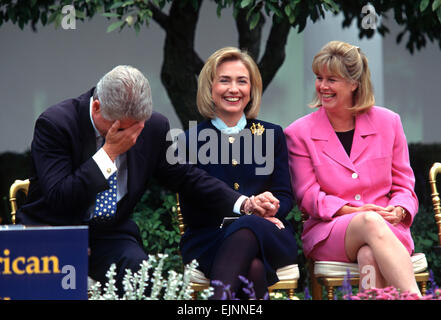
(237, 205)
(104, 162)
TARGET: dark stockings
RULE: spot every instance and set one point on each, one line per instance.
(239, 255)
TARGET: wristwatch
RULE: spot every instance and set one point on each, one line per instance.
(242, 208)
(403, 213)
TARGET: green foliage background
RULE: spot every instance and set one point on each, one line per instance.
(156, 217)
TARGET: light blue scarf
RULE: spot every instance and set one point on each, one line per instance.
(222, 127)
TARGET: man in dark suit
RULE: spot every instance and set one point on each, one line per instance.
(110, 132)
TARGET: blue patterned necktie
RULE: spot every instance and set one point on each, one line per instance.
(105, 204)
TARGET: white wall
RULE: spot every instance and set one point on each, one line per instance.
(43, 68)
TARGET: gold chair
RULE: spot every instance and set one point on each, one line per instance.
(17, 186)
(288, 275)
(433, 172)
(331, 274)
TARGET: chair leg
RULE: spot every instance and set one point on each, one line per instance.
(291, 294)
(330, 291)
(316, 288)
(423, 287)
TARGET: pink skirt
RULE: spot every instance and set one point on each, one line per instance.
(332, 248)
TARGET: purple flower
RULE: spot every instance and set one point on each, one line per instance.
(433, 286)
(347, 287)
(307, 295)
(226, 290)
(248, 288)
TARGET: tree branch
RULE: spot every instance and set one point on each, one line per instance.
(249, 40)
(160, 17)
(182, 64)
(274, 54)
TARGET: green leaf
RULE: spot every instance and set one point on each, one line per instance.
(438, 12)
(79, 14)
(426, 242)
(52, 17)
(274, 9)
(128, 3)
(245, 3)
(116, 5)
(436, 4)
(115, 26)
(333, 5)
(423, 5)
(218, 11)
(288, 10)
(254, 20)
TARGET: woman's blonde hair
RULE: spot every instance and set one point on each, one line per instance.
(204, 99)
(347, 61)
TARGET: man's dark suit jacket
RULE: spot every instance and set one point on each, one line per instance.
(67, 179)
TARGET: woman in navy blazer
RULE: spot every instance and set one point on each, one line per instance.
(249, 155)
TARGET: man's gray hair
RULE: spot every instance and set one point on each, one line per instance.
(124, 92)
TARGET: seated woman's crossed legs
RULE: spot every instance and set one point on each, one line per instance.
(370, 241)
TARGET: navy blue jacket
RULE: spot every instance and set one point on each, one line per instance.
(239, 173)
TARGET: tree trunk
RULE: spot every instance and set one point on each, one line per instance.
(274, 54)
(181, 64)
(249, 40)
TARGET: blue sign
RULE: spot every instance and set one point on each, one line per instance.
(46, 263)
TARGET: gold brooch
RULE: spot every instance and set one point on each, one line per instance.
(257, 129)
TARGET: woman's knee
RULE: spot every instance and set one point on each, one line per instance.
(370, 223)
(364, 228)
(365, 256)
(245, 235)
(257, 267)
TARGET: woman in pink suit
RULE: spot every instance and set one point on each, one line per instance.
(350, 172)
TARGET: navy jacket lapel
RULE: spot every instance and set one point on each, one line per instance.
(87, 133)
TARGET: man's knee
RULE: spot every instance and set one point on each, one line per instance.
(131, 258)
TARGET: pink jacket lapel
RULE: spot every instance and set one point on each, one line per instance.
(333, 148)
(364, 128)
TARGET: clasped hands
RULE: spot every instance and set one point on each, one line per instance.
(264, 205)
(391, 214)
